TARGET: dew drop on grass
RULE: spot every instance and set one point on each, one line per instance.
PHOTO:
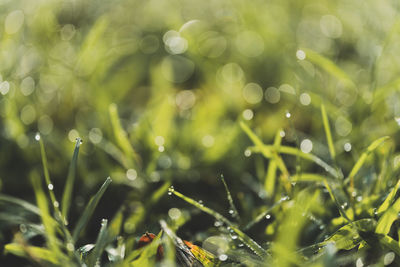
(288, 115)
(234, 237)
(247, 152)
(359, 263)
(359, 198)
(231, 212)
(50, 187)
(389, 257)
(56, 204)
(240, 245)
(171, 189)
(268, 216)
(217, 223)
(37, 136)
(22, 228)
(70, 246)
(223, 257)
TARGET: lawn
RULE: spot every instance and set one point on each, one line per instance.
(199, 133)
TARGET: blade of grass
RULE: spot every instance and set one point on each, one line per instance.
(264, 214)
(267, 149)
(101, 242)
(360, 162)
(49, 184)
(389, 216)
(22, 203)
(121, 136)
(49, 225)
(87, 213)
(389, 199)
(232, 209)
(328, 132)
(341, 209)
(330, 67)
(249, 242)
(269, 154)
(69, 184)
(31, 252)
(270, 179)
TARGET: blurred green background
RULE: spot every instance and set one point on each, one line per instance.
(156, 90)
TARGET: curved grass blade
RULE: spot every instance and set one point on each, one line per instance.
(101, 242)
(48, 222)
(87, 213)
(264, 214)
(360, 162)
(270, 179)
(50, 185)
(268, 153)
(232, 210)
(297, 152)
(121, 136)
(31, 252)
(330, 67)
(22, 203)
(328, 132)
(69, 184)
(341, 209)
(389, 199)
(385, 222)
(249, 242)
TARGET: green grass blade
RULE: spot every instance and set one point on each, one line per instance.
(330, 67)
(232, 209)
(387, 219)
(270, 179)
(360, 162)
(341, 209)
(87, 213)
(328, 132)
(269, 153)
(101, 242)
(249, 242)
(121, 136)
(22, 203)
(48, 222)
(49, 184)
(263, 215)
(308, 177)
(69, 184)
(389, 199)
(297, 152)
(38, 253)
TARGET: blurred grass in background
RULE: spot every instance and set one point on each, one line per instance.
(156, 90)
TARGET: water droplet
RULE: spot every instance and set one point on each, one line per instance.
(234, 237)
(240, 245)
(347, 147)
(268, 216)
(288, 115)
(306, 146)
(300, 54)
(70, 246)
(56, 204)
(359, 263)
(50, 186)
(37, 136)
(389, 257)
(282, 133)
(217, 223)
(223, 257)
(171, 189)
(247, 152)
(231, 212)
(161, 148)
(321, 227)
(200, 202)
(354, 193)
(22, 228)
(359, 198)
